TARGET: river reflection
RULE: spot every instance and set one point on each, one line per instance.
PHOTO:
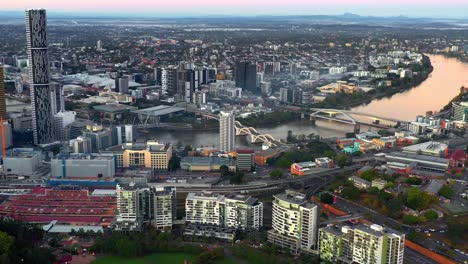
(434, 93)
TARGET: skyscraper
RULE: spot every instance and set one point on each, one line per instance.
(42, 113)
(227, 131)
(57, 98)
(3, 112)
(246, 76)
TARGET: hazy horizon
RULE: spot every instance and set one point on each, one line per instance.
(178, 8)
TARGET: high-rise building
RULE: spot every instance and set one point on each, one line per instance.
(246, 76)
(61, 121)
(42, 113)
(162, 206)
(124, 84)
(243, 212)
(57, 98)
(3, 111)
(100, 138)
(233, 210)
(130, 214)
(284, 95)
(81, 145)
(99, 45)
(227, 131)
(361, 244)
(294, 222)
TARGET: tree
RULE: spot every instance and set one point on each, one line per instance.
(373, 190)
(446, 192)
(351, 192)
(224, 170)
(6, 242)
(237, 178)
(419, 200)
(329, 153)
(414, 181)
(326, 198)
(369, 175)
(283, 162)
(174, 163)
(341, 160)
(431, 215)
(411, 219)
(276, 174)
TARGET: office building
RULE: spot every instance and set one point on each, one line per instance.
(233, 210)
(3, 111)
(123, 84)
(460, 111)
(130, 213)
(38, 68)
(148, 155)
(81, 145)
(100, 138)
(246, 76)
(162, 206)
(361, 244)
(294, 222)
(245, 159)
(83, 166)
(123, 134)
(61, 121)
(227, 131)
(284, 95)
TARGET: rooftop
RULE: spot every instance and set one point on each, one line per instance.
(417, 157)
(113, 108)
(159, 110)
(430, 146)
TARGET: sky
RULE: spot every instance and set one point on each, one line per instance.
(411, 8)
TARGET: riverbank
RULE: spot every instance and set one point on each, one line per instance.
(346, 101)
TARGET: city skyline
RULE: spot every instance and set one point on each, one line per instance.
(412, 8)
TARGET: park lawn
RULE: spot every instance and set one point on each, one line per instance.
(158, 258)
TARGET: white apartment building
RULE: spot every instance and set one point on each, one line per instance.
(294, 222)
(361, 244)
(129, 215)
(61, 120)
(227, 131)
(234, 210)
(162, 206)
(81, 145)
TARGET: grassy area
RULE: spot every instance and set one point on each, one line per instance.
(158, 258)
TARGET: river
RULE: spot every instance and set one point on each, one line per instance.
(443, 84)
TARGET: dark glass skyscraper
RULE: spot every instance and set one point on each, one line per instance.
(246, 76)
(42, 119)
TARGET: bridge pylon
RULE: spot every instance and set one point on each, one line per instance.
(357, 128)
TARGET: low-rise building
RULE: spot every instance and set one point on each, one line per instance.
(407, 162)
(379, 183)
(83, 166)
(22, 161)
(430, 148)
(360, 182)
(149, 155)
(245, 159)
(204, 163)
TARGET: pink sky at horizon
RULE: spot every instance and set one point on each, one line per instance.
(174, 4)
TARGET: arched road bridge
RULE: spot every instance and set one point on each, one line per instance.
(254, 135)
